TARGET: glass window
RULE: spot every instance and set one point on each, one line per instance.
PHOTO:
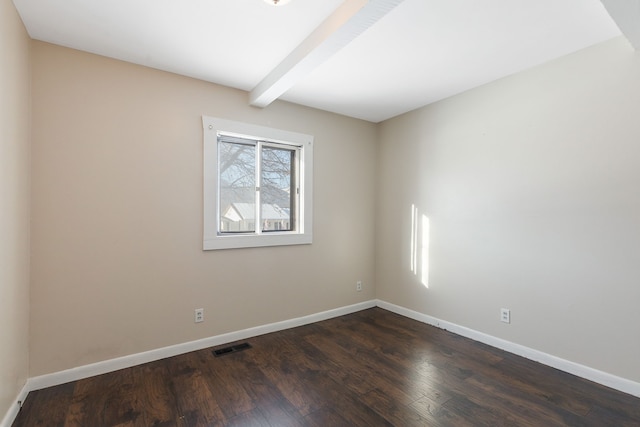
(257, 185)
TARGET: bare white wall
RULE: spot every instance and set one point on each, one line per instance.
(14, 205)
(530, 185)
(117, 264)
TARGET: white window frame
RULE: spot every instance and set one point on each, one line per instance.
(212, 238)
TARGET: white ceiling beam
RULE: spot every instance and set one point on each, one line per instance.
(626, 14)
(348, 21)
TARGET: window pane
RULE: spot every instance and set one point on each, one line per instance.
(237, 170)
(277, 190)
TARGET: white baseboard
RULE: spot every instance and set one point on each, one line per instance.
(111, 365)
(86, 371)
(12, 413)
(99, 368)
(600, 377)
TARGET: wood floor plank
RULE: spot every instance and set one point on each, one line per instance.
(559, 388)
(46, 407)
(524, 405)
(105, 400)
(370, 368)
(195, 403)
(263, 391)
(395, 412)
(341, 369)
(615, 417)
(155, 397)
(281, 414)
(306, 399)
(252, 418)
(325, 417)
(348, 405)
(363, 364)
(230, 396)
(299, 359)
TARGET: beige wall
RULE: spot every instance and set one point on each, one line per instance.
(117, 214)
(531, 187)
(14, 205)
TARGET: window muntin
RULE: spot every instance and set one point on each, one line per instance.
(257, 185)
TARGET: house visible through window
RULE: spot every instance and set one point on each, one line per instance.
(256, 174)
(257, 185)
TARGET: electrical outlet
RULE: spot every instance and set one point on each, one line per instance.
(198, 315)
(505, 315)
(358, 285)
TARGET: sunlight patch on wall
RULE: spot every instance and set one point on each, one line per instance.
(414, 239)
(419, 245)
(424, 264)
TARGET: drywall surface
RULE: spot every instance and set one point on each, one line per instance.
(14, 205)
(118, 266)
(529, 188)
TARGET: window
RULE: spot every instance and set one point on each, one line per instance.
(257, 185)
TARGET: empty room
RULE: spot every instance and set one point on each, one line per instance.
(319, 213)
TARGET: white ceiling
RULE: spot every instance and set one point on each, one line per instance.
(403, 55)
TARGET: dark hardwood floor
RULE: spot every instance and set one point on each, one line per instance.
(371, 368)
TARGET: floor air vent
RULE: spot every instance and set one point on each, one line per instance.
(231, 349)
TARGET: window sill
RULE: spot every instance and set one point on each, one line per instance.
(253, 241)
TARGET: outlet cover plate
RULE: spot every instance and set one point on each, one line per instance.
(505, 315)
(198, 315)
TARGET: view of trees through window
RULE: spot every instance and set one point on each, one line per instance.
(254, 173)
